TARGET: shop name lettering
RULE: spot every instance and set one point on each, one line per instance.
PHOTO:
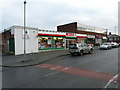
(69, 34)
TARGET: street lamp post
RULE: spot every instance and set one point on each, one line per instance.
(24, 29)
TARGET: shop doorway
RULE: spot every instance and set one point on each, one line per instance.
(70, 41)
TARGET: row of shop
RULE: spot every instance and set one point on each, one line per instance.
(59, 40)
(39, 40)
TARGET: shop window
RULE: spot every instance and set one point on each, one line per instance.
(45, 42)
(81, 40)
(90, 41)
(58, 42)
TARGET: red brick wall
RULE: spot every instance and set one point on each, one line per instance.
(5, 38)
(71, 27)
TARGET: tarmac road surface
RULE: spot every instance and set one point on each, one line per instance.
(97, 70)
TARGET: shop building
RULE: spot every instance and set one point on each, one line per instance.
(13, 40)
(37, 40)
(113, 38)
(50, 40)
(95, 35)
(41, 40)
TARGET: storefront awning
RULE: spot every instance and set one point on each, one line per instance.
(55, 35)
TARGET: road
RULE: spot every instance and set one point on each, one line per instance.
(88, 71)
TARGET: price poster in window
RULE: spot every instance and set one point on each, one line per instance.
(49, 41)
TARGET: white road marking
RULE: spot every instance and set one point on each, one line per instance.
(57, 72)
(110, 81)
(44, 66)
(55, 67)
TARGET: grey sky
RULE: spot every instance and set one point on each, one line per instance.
(47, 14)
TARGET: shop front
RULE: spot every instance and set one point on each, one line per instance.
(98, 39)
(104, 39)
(58, 40)
(91, 40)
(81, 38)
(70, 39)
(50, 41)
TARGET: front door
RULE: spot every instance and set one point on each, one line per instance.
(69, 41)
(11, 45)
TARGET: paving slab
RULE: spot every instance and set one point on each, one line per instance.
(33, 59)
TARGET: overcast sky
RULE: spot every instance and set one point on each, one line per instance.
(48, 14)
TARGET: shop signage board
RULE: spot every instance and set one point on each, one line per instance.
(52, 33)
(70, 35)
(27, 34)
(98, 41)
(99, 36)
(104, 37)
(90, 36)
(61, 34)
(49, 41)
(81, 35)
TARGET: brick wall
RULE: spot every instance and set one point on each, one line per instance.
(5, 41)
(71, 27)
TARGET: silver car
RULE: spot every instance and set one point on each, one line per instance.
(114, 44)
(80, 49)
(106, 46)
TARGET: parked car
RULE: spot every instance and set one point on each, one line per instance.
(110, 45)
(119, 43)
(114, 44)
(80, 49)
(106, 46)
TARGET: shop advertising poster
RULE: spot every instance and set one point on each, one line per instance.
(49, 41)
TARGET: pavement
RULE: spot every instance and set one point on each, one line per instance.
(32, 59)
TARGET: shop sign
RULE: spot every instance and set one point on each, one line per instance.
(70, 35)
(26, 34)
(90, 36)
(49, 41)
(99, 36)
(81, 35)
(104, 38)
(98, 41)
